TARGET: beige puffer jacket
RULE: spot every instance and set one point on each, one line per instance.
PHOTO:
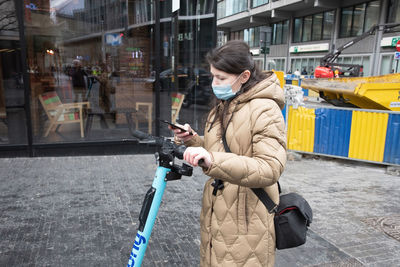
(236, 229)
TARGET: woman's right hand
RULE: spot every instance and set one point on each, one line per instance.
(183, 136)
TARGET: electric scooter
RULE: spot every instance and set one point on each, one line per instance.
(167, 170)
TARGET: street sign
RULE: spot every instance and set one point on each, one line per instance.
(398, 46)
(397, 55)
(113, 39)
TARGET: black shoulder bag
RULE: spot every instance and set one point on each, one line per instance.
(292, 218)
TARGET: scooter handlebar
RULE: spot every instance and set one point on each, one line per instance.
(160, 141)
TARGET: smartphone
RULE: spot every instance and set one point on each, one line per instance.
(174, 126)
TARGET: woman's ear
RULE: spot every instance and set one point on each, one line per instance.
(245, 76)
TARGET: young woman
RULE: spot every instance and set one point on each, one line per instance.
(236, 228)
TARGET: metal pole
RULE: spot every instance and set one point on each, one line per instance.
(19, 10)
(265, 52)
(157, 64)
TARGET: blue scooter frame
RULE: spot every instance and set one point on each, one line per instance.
(166, 171)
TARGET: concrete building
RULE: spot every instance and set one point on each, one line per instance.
(296, 34)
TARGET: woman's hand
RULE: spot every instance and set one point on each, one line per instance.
(181, 135)
(193, 154)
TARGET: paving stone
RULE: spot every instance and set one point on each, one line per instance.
(83, 211)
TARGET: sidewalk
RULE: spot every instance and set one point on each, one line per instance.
(83, 211)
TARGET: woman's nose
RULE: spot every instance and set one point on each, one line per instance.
(215, 82)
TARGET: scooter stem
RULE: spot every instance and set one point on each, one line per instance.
(148, 213)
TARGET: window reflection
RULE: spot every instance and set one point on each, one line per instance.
(12, 113)
(356, 20)
(77, 51)
(92, 66)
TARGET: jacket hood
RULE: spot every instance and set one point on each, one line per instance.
(269, 88)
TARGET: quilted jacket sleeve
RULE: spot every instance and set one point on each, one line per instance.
(265, 166)
(195, 141)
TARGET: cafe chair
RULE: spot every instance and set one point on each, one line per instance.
(148, 106)
(59, 113)
(3, 116)
(176, 100)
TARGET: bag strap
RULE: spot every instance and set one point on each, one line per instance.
(259, 192)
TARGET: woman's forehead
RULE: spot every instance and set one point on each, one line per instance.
(216, 71)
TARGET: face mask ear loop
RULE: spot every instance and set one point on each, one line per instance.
(237, 78)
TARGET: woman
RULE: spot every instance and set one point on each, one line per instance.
(236, 229)
(105, 90)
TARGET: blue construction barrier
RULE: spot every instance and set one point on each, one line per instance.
(392, 145)
(332, 131)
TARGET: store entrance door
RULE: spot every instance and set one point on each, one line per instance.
(12, 110)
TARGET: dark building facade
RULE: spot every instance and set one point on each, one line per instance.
(77, 76)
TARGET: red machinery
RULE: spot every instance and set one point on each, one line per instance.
(329, 69)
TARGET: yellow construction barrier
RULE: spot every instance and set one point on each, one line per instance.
(377, 92)
(281, 77)
(368, 133)
(301, 128)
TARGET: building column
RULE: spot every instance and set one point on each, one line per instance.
(376, 53)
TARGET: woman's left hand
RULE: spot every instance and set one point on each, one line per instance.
(193, 154)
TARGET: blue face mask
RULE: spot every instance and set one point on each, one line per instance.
(224, 91)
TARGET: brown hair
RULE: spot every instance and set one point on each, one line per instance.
(233, 57)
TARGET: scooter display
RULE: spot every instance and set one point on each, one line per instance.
(166, 171)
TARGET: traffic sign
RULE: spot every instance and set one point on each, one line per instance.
(397, 55)
(398, 45)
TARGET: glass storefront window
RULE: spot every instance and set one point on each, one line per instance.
(91, 70)
(366, 64)
(276, 64)
(304, 65)
(12, 112)
(362, 60)
(389, 65)
(92, 67)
